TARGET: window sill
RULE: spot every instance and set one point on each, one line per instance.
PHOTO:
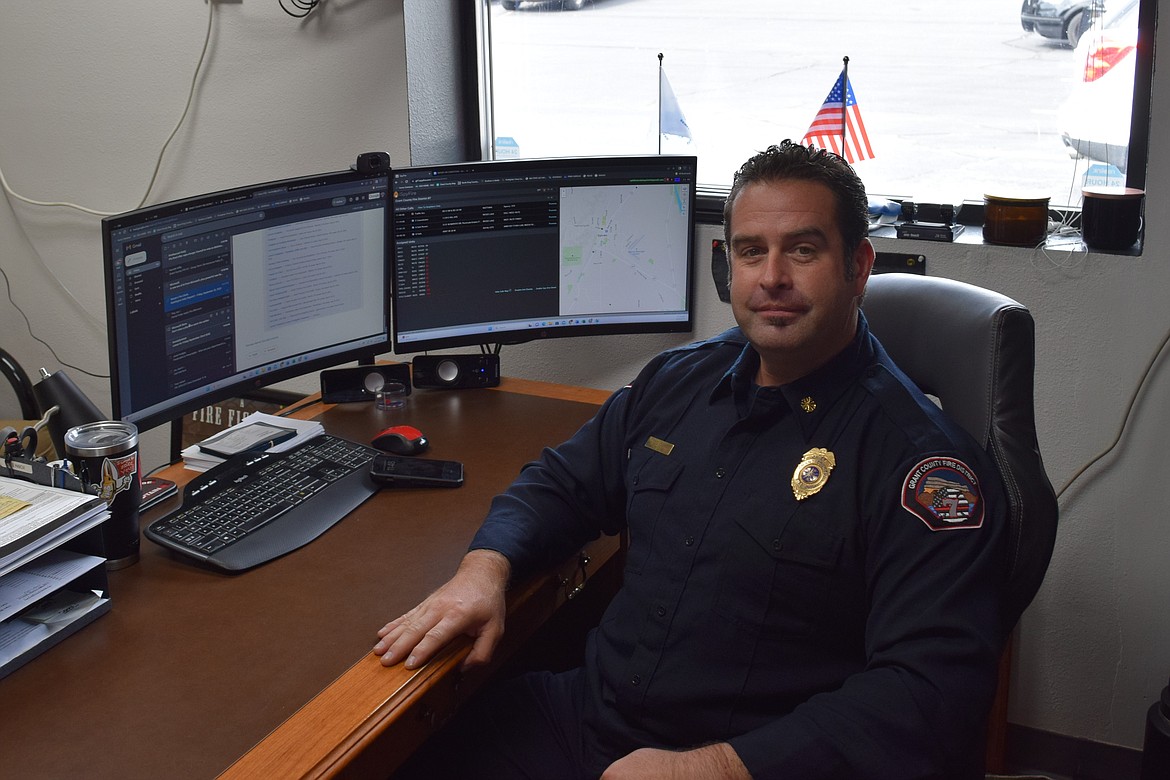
(973, 235)
(709, 211)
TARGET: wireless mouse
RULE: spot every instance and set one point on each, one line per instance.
(400, 440)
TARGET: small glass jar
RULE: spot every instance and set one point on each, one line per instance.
(392, 395)
(1015, 221)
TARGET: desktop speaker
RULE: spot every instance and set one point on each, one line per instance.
(456, 371)
(347, 385)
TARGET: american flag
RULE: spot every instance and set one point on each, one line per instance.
(825, 130)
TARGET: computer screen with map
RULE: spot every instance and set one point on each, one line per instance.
(509, 251)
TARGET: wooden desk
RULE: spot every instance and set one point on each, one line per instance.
(269, 673)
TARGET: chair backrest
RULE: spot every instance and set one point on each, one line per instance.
(974, 350)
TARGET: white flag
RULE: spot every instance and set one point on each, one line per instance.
(670, 117)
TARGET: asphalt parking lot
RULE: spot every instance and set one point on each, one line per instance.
(957, 98)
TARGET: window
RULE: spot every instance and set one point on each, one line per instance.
(958, 99)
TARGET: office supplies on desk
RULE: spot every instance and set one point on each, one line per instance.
(197, 458)
(259, 506)
(34, 517)
(52, 578)
(34, 470)
(251, 436)
(155, 490)
(401, 440)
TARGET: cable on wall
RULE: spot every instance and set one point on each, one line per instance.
(28, 325)
(302, 8)
(154, 176)
(158, 162)
(1125, 418)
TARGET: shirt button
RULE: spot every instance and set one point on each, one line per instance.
(689, 540)
(636, 680)
(777, 545)
(720, 473)
(661, 611)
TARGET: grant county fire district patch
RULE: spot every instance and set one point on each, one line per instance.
(944, 493)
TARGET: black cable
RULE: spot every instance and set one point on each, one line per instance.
(28, 325)
(305, 6)
(1129, 407)
(297, 407)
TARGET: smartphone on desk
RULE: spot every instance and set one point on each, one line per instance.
(403, 471)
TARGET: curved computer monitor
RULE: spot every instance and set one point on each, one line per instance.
(509, 251)
(214, 296)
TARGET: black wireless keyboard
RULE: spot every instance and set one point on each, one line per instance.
(253, 508)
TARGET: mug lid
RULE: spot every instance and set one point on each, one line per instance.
(97, 439)
(1015, 198)
(1113, 193)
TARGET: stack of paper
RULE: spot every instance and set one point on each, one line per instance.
(41, 598)
(198, 460)
(35, 518)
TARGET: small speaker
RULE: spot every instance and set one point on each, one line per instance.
(456, 371)
(347, 385)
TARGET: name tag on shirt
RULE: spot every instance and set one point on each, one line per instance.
(659, 446)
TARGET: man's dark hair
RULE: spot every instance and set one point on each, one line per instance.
(790, 160)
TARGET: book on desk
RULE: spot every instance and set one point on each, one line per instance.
(52, 567)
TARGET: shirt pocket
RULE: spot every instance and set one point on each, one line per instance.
(778, 581)
(652, 476)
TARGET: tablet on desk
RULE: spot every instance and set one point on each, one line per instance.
(256, 437)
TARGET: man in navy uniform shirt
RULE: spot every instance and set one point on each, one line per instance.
(816, 552)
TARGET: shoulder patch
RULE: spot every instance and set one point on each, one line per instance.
(943, 493)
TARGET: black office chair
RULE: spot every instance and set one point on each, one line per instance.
(22, 386)
(974, 350)
(26, 401)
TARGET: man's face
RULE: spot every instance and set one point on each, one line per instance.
(788, 287)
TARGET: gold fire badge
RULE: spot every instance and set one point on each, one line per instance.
(812, 472)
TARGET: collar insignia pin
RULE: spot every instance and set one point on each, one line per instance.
(812, 472)
(808, 404)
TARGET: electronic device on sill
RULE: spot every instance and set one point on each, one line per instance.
(928, 222)
(928, 231)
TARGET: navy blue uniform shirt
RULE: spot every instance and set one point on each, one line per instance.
(852, 633)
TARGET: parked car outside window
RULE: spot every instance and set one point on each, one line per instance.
(1095, 120)
(1062, 20)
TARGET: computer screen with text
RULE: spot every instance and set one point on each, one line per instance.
(212, 296)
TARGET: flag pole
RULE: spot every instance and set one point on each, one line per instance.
(844, 101)
(660, 102)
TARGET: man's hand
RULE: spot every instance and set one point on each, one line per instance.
(712, 762)
(471, 603)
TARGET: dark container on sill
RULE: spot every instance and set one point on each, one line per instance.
(1015, 221)
(1111, 217)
